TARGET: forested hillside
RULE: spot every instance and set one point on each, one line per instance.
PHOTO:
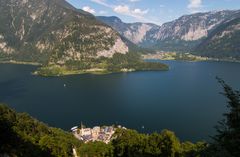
(223, 42)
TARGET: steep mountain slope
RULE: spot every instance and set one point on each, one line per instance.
(223, 42)
(182, 34)
(53, 31)
(65, 40)
(135, 32)
(188, 31)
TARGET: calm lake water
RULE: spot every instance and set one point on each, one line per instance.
(185, 99)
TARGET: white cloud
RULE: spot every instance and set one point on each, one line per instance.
(102, 2)
(194, 5)
(89, 9)
(124, 9)
(139, 12)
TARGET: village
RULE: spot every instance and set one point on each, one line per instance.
(175, 56)
(97, 133)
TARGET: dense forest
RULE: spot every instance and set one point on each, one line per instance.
(23, 136)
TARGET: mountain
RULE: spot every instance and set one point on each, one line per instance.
(135, 32)
(182, 34)
(53, 31)
(223, 42)
(65, 40)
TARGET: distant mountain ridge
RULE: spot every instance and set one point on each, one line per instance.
(185, 34)
(135, 32)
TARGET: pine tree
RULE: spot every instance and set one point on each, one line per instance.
(228, 131)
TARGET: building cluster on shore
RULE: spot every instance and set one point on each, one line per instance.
(175, 56)
(97, 133)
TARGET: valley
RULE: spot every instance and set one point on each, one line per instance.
(212, 34)
(152, 66)
(102, 45)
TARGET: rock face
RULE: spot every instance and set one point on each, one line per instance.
(185, 33)
(192, 27)
(53, 31)
(182, 34)
(135, 32)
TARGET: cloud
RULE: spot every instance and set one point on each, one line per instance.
(124, 9)
(102, 2)
(89, 9)
(139, 12)
(194, 5)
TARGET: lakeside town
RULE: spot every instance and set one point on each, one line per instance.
(97, 133)
(175, 56)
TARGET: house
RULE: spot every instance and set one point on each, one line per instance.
(85, 132)
(95, 131)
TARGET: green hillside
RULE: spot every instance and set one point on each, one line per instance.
(24, 136)
(223, 42)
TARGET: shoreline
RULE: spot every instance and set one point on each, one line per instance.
(89, 71)
(213, 59)
(63, 71)
(20, 63)
(70, 73)
(171, 56)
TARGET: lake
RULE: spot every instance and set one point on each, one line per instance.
(185, 99)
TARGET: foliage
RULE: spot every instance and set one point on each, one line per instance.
(22, 135)
(96, 149)
(129, 143)
(176, 45)
(119, 62)
(189, 149)
(133, 61)
(227, 140)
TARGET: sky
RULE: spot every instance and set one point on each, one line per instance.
(153, 11)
